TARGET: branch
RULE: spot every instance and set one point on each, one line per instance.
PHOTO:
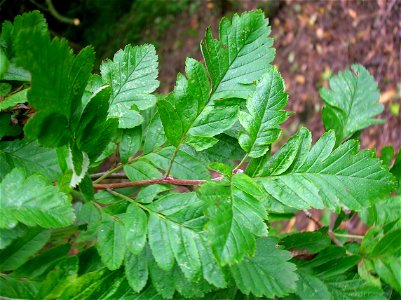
(112, 176)
(60, 17)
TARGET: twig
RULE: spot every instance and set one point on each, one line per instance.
(60, 17)
(320, 225)
(165, 180)
(113, 176)
(241, 162)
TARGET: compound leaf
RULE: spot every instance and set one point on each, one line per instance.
(33, 201)
(351, 102)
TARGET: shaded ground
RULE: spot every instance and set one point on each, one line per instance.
(314, 39)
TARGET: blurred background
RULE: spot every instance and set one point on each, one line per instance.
(314, 40)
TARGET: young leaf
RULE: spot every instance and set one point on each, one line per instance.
(236, 217)
(33, 201)
(352, 179)
(351, 103)
(262, 123)
(268, 273)
(132, 76)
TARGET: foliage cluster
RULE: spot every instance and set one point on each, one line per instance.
(187, 221)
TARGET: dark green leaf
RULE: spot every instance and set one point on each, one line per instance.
(23, 248)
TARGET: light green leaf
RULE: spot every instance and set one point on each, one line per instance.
(132, 76)
(382, 212)
(150, 192)
(311, 287)
(353, 289)
(33, 201)
(23, 248)
(268, 273)
(13, 288)
(351, 102)
(14, 99)
(141, 170)
(262, 123)
(3, 63)
(29, 156)
(136, 270)
(186, 166)
(200, 143)
(111, 243)
(136, 228)
(131, 142)
(236, 217)
(388, 269)
(240, 57)
(352, 179)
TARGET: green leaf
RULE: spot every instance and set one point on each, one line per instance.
(313, 242)
(131, 142)
(14, 99)
(268, 273)
(153, 134)
(351, 179)
(262, 123)
(8, 235)
(132, 76)
(141, 170)
(94, 130)
(311, 287)
(58, 82)
(23, 248)
(136, 224)
(5, 88)
(354, 289)
(33, 201)
(16, 288)
(236, 217)
(136, 270)
(388, 269)
(111, 243)
(3, 63)
(58, 279)
(351, 102)
(29, 156)
(39, 265)
(240, 57)
(186, 166)
(382, 212)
